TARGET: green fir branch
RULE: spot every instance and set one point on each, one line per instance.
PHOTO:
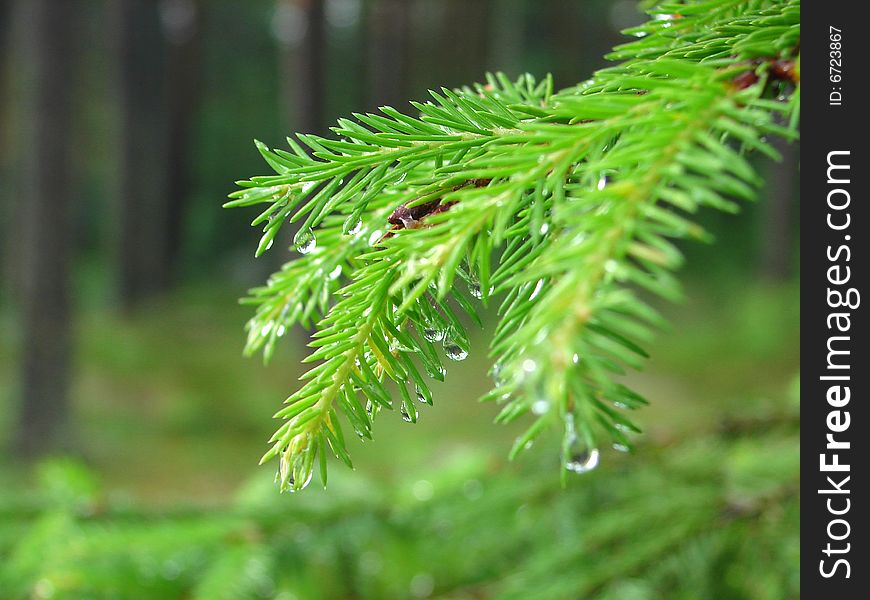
(562, 205)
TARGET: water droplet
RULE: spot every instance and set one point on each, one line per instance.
(474, 290)
(307, 185)
(305, 241)
(611, 265)
(436, 371)
(294, 487)
(406, 416)
(602, 182)
(434, 335)
(352, 225)
(375, 237)
(280, 330)
(287, 475)
(335, 273)
(454, 352)
(622, 428)
(529, 365)
(621, 405)
(496, 372)
(538, 287)
(576, 358)
(540, 407)
(420, 396)
(621, 448)
(583, 462)
(370, 407)
(544, 228)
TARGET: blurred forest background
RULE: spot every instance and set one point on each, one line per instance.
(131, 425)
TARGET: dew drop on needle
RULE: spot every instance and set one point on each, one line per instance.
(305, 241)
(352, 225)
(454, 352)
(434, 335)
(583, 462)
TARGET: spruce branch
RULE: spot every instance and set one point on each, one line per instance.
(563, 205)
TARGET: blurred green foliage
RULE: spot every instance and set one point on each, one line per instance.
(707, 507)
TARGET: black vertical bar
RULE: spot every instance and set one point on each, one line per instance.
(833, 252)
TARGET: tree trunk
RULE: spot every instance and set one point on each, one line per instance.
(47, 236)
(389, 53)
(780, 207)
(301, 27)
(142, 213)
(7, 272)
(5, 27)
(508, 37)
(467, 25)
(304, 63)
(182, 26)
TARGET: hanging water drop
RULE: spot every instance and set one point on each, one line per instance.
(406, 416)
(420, 396)
(583, 462)
(454, 352)
(538, 287)
(621, 447)
(540, 407)
(544, 228)
(575, 358)
(375, 237)
(474, 290)
(529, 365)
(370, 408)
(305, 241)
(434, 335)
(602, 182)
(295, 488)
(352, 225)
(335, 273)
